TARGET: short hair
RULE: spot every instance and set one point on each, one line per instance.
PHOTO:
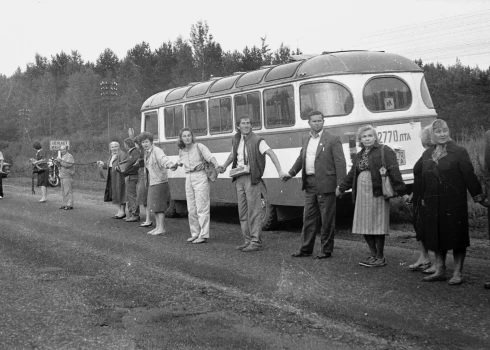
(114, 143)
(313, 113)
(425, 137)
(238, 121)
(37, 145)
(180, 142)
(145, 135)
(438, 123)
(363, 129)
(129, 142)
(63, 146)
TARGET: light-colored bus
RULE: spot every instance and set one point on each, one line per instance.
(350, 88)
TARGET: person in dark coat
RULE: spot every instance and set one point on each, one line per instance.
(115, 191)
(487, 182)
(447, 174)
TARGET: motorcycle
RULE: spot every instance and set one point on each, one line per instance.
(54, 173)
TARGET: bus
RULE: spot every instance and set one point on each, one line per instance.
(350, 88)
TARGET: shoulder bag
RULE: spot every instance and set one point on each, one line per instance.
(388, 191)
(209, 168)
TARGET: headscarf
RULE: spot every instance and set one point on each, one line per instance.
(440, 150)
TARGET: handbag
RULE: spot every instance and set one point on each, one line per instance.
(388, 191)
(209, 168)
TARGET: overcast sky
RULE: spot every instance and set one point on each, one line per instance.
(434, 30)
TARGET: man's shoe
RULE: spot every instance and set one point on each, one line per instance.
(200, 240)
(368, 261)
(68, 208)
(251, 248)
(323, 256)
(243, 246)
(486, 285)
(133, 219)
(191, 239)
(300, 254)
(63, 207)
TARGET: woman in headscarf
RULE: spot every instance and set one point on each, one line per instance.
(447, 175)
(372, 210)
(40, 164)
(192, 156)
(115, 191)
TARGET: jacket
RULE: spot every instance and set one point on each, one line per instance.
(330, 165)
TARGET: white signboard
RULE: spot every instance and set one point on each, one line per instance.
(55, 145)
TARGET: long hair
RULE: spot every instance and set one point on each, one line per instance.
(362, 130)
(180, 142)
(438, 123)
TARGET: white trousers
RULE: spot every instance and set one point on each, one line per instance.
(67, 191)
(197, 193)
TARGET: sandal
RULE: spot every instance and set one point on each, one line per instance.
(424, 265)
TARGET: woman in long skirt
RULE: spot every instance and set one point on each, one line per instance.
(372, 210)
(142, 186)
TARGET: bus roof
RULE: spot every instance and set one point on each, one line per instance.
(333, 63)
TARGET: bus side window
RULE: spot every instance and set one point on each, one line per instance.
(387, 94)
(174, 121)
(151, 124)
(249, 105)
(196, 118)
(332, 99)
(220, 119)
(279, 107)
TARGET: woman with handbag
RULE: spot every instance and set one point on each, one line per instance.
(115, 190)
(196, 159)
(447, 176)
(372, 206)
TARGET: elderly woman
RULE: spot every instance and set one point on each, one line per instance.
(142, 186)
(447, 174)
(192, 156)
(115, 190)
(41, 168)
(423, 263)
(372, 210)
(156, 162)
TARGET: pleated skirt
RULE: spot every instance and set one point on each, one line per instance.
(371, 214)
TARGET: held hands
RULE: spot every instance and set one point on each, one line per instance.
(220, 169)
(285, 176)
(407, 199)
(338, 193)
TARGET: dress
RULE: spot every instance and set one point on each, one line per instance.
(158, 190)
(42, 176)
(444, 186)
(418, 208)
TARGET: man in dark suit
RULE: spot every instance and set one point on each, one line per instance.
(323, 166)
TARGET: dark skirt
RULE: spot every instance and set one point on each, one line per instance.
(43, 178)
(142, 188)
(159, 197)
(418, 222)
(118, 187)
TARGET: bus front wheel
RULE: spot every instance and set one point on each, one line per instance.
(269, 214)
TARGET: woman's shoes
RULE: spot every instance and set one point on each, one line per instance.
(191, 239)
(119, 217)
(430, 271)
(146, 225)
(200, 240)
(455, 280)
(420, 266)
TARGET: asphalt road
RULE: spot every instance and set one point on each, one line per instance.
(81, 280)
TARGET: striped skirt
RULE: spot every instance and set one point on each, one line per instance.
(372, 214)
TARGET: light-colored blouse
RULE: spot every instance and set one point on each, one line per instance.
(191, 159)
(156, 161)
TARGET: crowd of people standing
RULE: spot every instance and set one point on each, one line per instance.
(137, 183)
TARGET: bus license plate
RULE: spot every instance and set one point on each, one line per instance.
(400, 157)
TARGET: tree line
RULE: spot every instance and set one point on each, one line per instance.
(62, 96)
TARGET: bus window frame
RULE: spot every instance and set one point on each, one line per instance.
(181, 105)
(422, 81)
(388, 110)
(155, 113)
(205, 111)
(260, 106)
(265, 109)
(232, 115)
(326, 81)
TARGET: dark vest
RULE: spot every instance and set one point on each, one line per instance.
(256, 160)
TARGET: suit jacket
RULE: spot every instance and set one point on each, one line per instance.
(330, 165)
(487, 162)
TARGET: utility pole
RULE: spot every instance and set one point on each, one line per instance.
(24, 114)
(108, 89)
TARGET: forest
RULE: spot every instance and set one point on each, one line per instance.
(66, 97)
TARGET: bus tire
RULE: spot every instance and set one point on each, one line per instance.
(171, 211)
(269, 214)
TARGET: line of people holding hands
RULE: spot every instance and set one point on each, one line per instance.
(442, 177)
